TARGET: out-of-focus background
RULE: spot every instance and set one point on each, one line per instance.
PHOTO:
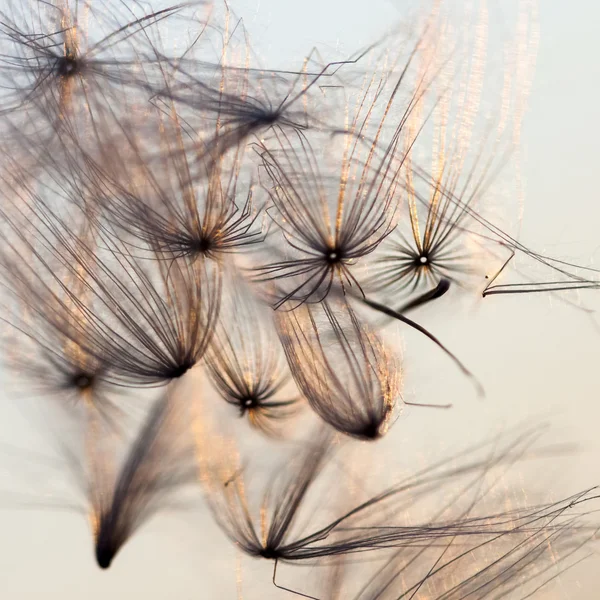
(536, 355)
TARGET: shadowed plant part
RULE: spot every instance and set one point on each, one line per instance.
(246, 365)
(347, 374)
(158, 464)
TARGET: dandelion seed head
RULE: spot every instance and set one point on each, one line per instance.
(134, 295)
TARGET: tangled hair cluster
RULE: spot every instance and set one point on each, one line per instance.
(199, 254)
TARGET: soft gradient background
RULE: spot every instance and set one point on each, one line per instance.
(536, 355)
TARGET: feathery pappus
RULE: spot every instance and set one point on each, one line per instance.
(245, 362)
(70, 60)
(347, 374)
(458, 529)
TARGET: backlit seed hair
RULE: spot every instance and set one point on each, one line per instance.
(238, 103)
(160, 315)
(271, 536)
(246, 365)
(275, 535)
(426, 246)
(347, 374)
(49, 352)
(404, 267)
(525, 559)
(211, 214)
(562, 275)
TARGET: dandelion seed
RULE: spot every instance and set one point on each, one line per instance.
(251, 102)
(51, 65)
(157, 465)
(173, 213)
(245, 363)
(272, 536)
(49, 352)
(350, 379)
